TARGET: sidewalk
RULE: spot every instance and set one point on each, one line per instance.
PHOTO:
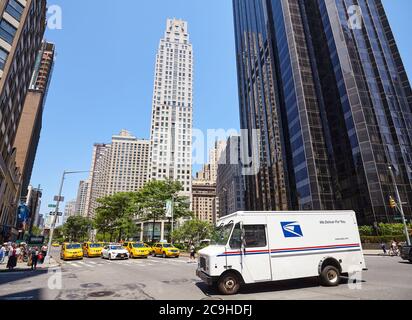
(23, 267)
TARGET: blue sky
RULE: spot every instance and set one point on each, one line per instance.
(103, 76)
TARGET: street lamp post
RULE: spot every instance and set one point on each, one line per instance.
(56, 212)
(400, 207)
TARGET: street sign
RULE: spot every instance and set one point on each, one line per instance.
(57, 198)
(59, 214)
(52, 206)
(169, 209)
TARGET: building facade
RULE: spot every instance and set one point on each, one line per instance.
(69, 210)
(172, 109)
(22, 25)
(230, 189)
(121, 166)
(204, 200)
(81, 199)
(28, 132)
(331, 101)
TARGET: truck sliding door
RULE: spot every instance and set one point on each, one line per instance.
(256, 252)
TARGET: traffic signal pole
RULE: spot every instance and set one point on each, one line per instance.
(400, 208)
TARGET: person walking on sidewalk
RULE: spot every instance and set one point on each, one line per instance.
(192, 253)
(12, 262)
(383, 246)
(2, 253)
(34, 258)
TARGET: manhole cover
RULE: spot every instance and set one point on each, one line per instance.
(91, 285)
(101, 294)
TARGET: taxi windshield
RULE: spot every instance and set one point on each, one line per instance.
(95, 245)
(138, 245)
(116, 248)
(167, 245)
(73, 246)
(222, 234)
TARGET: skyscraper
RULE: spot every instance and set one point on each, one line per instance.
(22, 25)
(230, 189)
(82, 193)
(28, 132)
(324, 84)
(121, 166)
(171, 130)
(69, 210)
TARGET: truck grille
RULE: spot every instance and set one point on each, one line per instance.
(202, 262)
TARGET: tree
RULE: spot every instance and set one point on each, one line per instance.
(151, 201)
(193, 231)
(77, 228)
(115, 215)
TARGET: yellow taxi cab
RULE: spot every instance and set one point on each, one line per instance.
(166, 250)
(137, 249)
(92, 249)
(150, 248)
(71, 251)
(55, 244)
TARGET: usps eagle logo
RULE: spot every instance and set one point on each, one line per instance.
(292, 229)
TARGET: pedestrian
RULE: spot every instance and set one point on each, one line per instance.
(12, 262)
(383, 246)
(2, 253)
(34, 258)
(192, 253)
(43, 253)
(394, 248)
(19, 254)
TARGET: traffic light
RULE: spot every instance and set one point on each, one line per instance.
(392, 202)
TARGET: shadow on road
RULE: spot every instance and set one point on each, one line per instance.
(277, 286)
(20, 276)
(25, 295)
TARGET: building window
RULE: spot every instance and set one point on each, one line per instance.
(15, 9)
(3, 58)
(7, 31)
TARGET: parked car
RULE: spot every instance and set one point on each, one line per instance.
(406, 253)
(166, 250)
(71, 251)
(91, 249)
(137, 249)
(114, 251)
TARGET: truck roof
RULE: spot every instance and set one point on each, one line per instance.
(274, 213)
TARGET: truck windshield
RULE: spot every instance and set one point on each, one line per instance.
(222, 234)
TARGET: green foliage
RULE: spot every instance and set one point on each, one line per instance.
(151, 200)
(366, 231)
(387, 229)
(193, 231)
(115, 215)
(380, 239)
(77, 228)
(36, 231)
(386, 233)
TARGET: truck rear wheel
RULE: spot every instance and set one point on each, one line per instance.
(330, 276)
(229, 284)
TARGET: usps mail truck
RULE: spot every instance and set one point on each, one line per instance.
(253, 247)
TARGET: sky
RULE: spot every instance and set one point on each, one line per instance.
(104, 73)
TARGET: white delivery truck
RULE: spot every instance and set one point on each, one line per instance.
(254, 247)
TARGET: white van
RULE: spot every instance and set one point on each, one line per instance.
(257, 247)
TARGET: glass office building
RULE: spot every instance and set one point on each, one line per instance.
(324, 84)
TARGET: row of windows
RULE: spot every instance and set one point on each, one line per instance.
(15, 9)
(7, 31)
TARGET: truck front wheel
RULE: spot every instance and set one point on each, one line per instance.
(330, 276)
(229, 284)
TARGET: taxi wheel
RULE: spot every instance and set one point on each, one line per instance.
(164, 255)
(131, 255)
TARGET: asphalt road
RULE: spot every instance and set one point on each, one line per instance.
(175, 279)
